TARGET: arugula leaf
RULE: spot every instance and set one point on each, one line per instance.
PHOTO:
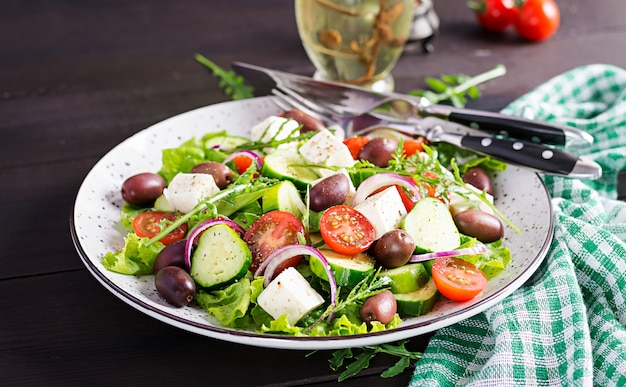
(361, 361)
(338, 357)
(397, 368)
(456, 88)
(232, 84)
(367, 287)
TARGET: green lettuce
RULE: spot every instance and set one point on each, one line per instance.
(136, 258)
(493, 261)
(189, 154)
(230, 305)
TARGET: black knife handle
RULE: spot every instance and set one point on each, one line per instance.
(515, 127)
(523, 153)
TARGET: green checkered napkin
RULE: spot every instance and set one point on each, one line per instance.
(567, 325)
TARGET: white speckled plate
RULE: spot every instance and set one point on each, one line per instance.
(95, 228)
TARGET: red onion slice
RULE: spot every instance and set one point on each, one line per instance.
(203, 227)
(478, 249)
(280, 255)
(246, 153)
(373, 183)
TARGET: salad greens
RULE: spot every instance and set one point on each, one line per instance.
(235, 305)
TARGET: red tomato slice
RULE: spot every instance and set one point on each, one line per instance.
(355, 144)
(148, 225)
(431, 190)
(346, 231)
(411, 147)
(242, 163)
(458, 280)
(271, 231)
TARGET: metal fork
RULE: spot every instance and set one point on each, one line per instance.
(535, 156)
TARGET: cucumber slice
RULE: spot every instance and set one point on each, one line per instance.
(418, 302)
(407, 278)
(220, 258)
(349, 270)
(431, 226)
(284, 196)
(286, 164)
(162, 204)
(225, 141)
(314, 221)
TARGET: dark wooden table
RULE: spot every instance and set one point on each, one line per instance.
(78, 77)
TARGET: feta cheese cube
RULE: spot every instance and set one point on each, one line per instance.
(274, 127)
(326, 149)
(187, 189)
(459, 203)
(384, 210)
(289, 293)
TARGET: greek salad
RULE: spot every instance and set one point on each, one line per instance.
(298, 230)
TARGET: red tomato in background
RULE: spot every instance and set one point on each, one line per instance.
(271, 231)
(537, 19)
(346, 230)
(355, 144)
(495, 15)
(458, 280)
(148, 225)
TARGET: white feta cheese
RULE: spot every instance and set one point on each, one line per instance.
(289, 293)
(384, 210)
(337, 131)
(459, 203)
(274, 127)
(187, 189)
(326, 149)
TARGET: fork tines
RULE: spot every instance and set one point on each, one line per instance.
(291, 99)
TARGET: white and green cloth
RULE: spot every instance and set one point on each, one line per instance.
(566, 326)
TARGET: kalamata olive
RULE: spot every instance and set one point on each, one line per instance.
(175, 285)
(379, 151)
(331, 191)
(479, 224)
(308, 122)
(478, 178)
(222, 175)
(393, 249)
(143, 188)
(172, 255)
(381, 307)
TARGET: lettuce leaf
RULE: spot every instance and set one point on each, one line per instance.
(188, 155)
(136, 258)
(492, 262)
(230, 305)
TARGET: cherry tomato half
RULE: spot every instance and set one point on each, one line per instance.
(411, 147)
(495, 15)
(355, 144)
(271, 231)
(149, 224)
(537, 19)
(346, 230)
(458, 280)
(242, 163)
